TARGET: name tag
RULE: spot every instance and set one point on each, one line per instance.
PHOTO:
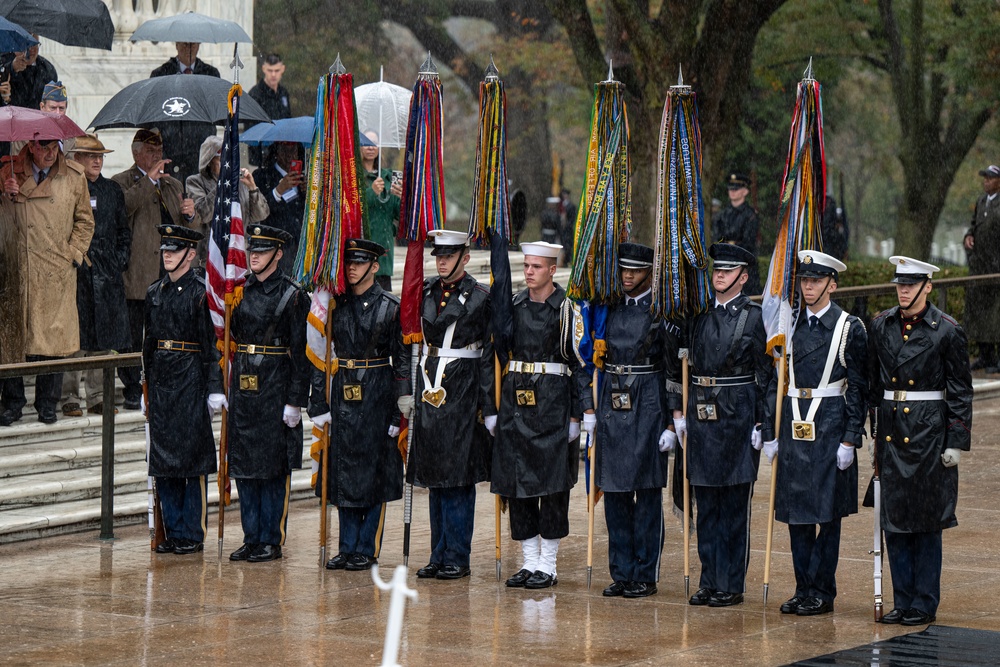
(93, 203)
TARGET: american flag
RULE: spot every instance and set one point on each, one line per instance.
(227, 260)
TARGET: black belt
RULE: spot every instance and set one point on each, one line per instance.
(177, 346)
(364, 363)
(262, 349)
(638, 369)
(733, 381)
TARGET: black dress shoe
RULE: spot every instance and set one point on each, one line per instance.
(814, 607)
(167, 546)
(428, 571)
(47, 415)
(639, 589)
(264, 553)
(338, 562)
(453, 572)
(8, 417)
(723, 599)
(540, 580)
(614, 590)
(358, 562)
(791, 605)
(917, 617)
(131, 405)
(185, 547)
(894, 617)
(243, 552)
(519, 579)
(701, 597)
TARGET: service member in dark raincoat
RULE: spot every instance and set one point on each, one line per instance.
(536, 451)
(730, 371)
(982, 246)
(373, 371)
(739, 224)
(181, 365)
(455, 384)
(639, 394)
(822, 422)
(270, 381)
(922, 387)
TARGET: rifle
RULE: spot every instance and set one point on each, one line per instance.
(157, 535)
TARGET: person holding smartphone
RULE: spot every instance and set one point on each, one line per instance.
(283, 183)
(382, 198)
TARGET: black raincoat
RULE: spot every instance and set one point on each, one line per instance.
(261, 446)
(919, 494)
(180, 426)
(451, 446)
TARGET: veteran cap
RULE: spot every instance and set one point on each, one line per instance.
(728, 255)
(148, 136)
(910, 271)
(54, 91)
(176, 237)
(264, 238)
(542, 249)
(447, 242)
(737, 180)
(815, 264)
(634, 256)
(362, 250)
(991, 171)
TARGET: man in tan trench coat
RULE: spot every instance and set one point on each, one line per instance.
(47, 220)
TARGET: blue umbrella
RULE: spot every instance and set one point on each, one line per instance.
(14, 38)
(298, 130)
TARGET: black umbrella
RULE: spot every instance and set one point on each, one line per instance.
(71, 22)
(178, 97)
(191, 27)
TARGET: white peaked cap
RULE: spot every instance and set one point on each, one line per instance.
(542, 249)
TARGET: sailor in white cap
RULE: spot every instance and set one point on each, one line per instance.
(535, 455)
(455, 378)
(922, 388)
(822, 422)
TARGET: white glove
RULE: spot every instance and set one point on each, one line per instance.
(756, 438)
(589, 423)
(142, 404)
(393, 431)
(405, 404)
(491, 424)
(322, 420)
(680, 426)
(845, 456)
(667, 440)
(216, 402)
(951, 457)
(291, 416)
(770, 449)
(574, 430)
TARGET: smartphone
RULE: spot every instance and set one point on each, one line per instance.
(397, 176)
(296, 166)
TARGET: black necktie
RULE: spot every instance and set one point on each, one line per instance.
(42, 175)
(813, 321)
(631, 302)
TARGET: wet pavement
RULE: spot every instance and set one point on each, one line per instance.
(76, 600)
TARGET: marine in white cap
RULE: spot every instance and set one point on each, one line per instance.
(823, 419)
(922, 388)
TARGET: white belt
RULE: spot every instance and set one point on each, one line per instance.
(900, 395)
(823, 392)
(471, 351)
(539, 367)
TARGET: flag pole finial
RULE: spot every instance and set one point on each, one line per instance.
(236, 65)
(338, 67)
(680, 81)
(611, 72)
(808, 74)
(492, 73)
(428, 68)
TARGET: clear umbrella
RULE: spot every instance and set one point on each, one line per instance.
(385, 108)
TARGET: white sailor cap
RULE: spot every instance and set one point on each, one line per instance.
(447, 242)
(542, 249)
(910, 271)
(815, 264)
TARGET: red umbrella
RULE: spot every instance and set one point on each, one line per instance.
(23, 124)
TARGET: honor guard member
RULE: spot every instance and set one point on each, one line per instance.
(181, 365)
(455, 385)
(635, 432)
(730, 371)
(822, 422)
(922, 388)
(270, 381)
(535, 454)
(739, 224)
(366, 469)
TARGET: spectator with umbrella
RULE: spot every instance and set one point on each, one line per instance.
(382, 203)
(30, 74)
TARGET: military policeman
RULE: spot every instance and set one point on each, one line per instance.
(181, 365)
(739, 224)
(365, 466)
(270, 381)
(535, 454)
(639, 393)
(455, 386)
(730, 370)
(922, 388)
(822, 420)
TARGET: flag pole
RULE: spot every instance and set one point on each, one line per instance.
(324, 452)
(223, 476)
(592, 491)
(408, 474)
(497, 504)
(782, 365)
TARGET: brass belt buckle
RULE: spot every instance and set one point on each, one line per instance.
(352, 392)
(168, 345)
(803, 430)
(805, 393)
(248, 383)
(350, 363)
(525, 397)
(251, 349)
(899, 395)
(528, 367)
